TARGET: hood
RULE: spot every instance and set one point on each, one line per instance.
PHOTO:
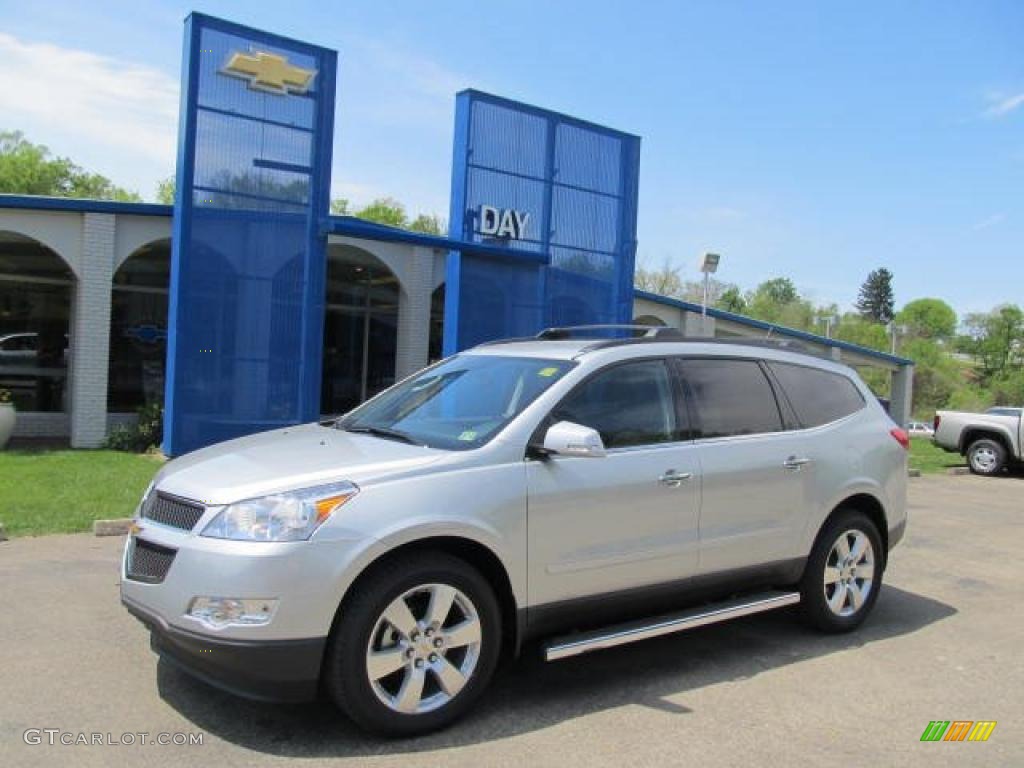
(287, 459)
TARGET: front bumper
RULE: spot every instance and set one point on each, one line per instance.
(266, 670)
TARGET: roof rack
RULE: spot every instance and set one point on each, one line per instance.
(652, 334)
(584, 331)
(781, 344)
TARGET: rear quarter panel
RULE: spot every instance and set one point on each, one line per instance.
(857, 455)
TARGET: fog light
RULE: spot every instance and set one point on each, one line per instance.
(217, 612)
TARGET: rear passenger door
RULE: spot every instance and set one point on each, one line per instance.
(753, 470)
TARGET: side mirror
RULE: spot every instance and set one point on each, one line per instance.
(568, 439)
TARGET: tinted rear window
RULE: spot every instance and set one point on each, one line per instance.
(731, 397)
(817, 396)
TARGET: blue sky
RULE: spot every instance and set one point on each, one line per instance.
(812, 140)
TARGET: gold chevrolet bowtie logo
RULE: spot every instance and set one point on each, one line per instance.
(269, 72)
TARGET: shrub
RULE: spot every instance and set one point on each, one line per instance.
(146, 433)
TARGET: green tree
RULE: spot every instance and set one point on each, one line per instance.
(875, 301)
(856, 330)
(165, 190)
(778, 301)
(339, 207)
(385, 210)
(429, 224)
(732, 300)
(30, 169)
(777, 291)
(928, 319)
(996, 339)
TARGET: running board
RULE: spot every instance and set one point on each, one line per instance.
(620, 634)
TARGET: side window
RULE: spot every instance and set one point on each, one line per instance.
(630, 404)
(817, 396)
(731, 397)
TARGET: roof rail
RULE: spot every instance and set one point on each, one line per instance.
(585, 331)
(785, 345)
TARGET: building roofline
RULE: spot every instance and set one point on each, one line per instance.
(781, 330)
(82, 205)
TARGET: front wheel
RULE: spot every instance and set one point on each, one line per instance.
(415, 646)
(843, 574)
(986, 457)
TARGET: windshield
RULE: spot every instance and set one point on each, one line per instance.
(459, 404)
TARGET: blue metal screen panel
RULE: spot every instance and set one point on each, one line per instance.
(248, 259)
(577, 184)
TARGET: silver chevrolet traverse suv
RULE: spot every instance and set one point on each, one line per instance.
(584, 492)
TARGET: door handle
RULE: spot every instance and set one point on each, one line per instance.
(674, 479)
(795, 462)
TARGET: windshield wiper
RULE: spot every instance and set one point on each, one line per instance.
(386, 433)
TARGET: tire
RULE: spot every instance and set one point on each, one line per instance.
(986, 457)
(448, 660)
(840, 598)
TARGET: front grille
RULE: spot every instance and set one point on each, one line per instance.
(149, 562)
(170, 510)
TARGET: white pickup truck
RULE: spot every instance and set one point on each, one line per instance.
(991, 441)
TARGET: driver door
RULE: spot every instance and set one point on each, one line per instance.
(618, 522)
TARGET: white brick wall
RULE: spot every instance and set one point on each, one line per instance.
(90, 328)
(36, 424)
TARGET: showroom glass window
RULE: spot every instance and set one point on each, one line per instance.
(360, 329)
(731, 397)
(138, 329)
(35, 308)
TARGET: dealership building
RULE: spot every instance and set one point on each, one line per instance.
(247, 306)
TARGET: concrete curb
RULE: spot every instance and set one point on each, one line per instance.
(913, 473)
(959, 471)
(3, 533)
(117, 527)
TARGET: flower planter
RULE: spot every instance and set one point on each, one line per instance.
(7, 418)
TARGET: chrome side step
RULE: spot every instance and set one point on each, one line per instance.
(620, 634)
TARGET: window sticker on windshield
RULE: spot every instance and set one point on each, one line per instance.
(546, 372)
(468, 435)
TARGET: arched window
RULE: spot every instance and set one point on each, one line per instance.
(360, 328)
(651, 320)
(138, 329)
(35, 302)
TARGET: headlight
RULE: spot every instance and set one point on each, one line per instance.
(289, 516)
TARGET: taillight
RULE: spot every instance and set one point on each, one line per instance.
(901, 437)
(935, 424)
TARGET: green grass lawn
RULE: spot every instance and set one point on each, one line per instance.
(64, 491)
(929, 458)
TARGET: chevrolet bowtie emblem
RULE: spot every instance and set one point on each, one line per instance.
(269, 72)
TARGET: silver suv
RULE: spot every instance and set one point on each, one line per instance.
(578, 491)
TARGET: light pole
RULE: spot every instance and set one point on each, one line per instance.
(708, 265)
(829, 321)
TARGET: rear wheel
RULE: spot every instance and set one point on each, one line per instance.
(843, 574)
(986, 456)
(415, 646)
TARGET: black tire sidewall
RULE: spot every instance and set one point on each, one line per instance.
(345, 672)
(1000, 451)
(812, 594)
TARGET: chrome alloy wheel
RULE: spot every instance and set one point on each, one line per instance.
(983, 459)
(423, 649)
(849, 572)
